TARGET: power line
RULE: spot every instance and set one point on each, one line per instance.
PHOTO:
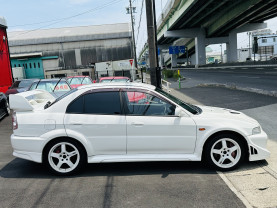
(70, 17)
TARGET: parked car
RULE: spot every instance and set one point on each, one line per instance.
(76, 81)
(20, 86)
(124, 126)
(114, 79)
(56, 87)
(4, 106)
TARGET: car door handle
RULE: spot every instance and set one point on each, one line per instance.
(137, 124)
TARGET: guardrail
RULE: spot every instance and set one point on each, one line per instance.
(166, 85)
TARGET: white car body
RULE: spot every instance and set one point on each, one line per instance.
(123, 138)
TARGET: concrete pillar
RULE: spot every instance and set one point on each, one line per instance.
(232, 51)
(200, 48)
(193, 59)
(173, 60)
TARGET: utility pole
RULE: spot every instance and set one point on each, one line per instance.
(155, 74)
(130, 11)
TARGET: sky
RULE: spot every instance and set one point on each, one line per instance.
(42, 14)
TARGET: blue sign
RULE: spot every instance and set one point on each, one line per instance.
(159, 51)
(182, 49)
(173, 49)
(177, 49)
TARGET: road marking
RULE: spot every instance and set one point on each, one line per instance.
(235, 191)
(225, 71)
(244, 68)
(247, 77)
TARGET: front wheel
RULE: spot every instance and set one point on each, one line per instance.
(64, 157)
(224, 152)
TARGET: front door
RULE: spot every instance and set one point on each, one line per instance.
(153, 128)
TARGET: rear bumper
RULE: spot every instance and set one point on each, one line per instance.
(29, 148)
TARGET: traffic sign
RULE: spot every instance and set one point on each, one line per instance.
(131, 61)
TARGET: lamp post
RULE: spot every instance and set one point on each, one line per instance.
(130, 10)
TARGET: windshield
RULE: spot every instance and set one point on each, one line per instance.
(189, 107)
(50, 85)
(79, 81)
(22, 84)
(115, 80)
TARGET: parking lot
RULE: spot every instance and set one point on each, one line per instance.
(156, 184)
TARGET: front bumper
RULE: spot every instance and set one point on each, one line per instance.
(257, 147)
(29, 148)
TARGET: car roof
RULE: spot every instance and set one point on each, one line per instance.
(118, 85)
(102, 78)
(76, 76)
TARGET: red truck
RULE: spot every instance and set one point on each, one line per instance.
(5, 64)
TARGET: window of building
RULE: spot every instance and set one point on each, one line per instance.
(274, 39)
(26, 66)
(35, 65)
(19, 65)
(30, 64)
(38, 65)
(264, 40)
(14, 65)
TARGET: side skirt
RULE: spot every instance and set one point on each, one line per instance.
(142, 158)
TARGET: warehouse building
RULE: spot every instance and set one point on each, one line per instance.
(69, 51)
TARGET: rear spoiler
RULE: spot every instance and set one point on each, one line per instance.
(30, 100)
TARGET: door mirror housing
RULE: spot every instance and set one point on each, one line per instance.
(179, 112)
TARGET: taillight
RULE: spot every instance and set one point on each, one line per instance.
(14, 120)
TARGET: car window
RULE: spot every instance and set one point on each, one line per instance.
(87, 81)
(189, 107)
(144, 104)
(76, 106)
(22, 84)
(102, 103)
(50, 85)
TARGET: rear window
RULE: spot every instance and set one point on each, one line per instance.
(22, 84)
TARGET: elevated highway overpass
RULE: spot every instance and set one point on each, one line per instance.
(202, 22)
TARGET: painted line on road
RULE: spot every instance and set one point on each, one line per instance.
(234, 190)
(247, 77)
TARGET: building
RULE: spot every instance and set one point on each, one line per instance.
(69, 51)
(267, 44)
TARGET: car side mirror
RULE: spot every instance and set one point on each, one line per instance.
(179, 112)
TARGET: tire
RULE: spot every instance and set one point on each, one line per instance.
(224, 152)
(64, 157)
(7, 110)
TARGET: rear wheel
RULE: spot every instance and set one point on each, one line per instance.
(64, 157)
(224, 152)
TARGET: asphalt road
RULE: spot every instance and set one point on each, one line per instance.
(164, 184)
(244, 77)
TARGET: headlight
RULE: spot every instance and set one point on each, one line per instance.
(256, 130)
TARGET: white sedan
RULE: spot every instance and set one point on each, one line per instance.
(129, 122)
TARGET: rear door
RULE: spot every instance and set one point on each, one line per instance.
(98, 117)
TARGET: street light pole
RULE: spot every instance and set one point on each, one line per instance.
(130, 11)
